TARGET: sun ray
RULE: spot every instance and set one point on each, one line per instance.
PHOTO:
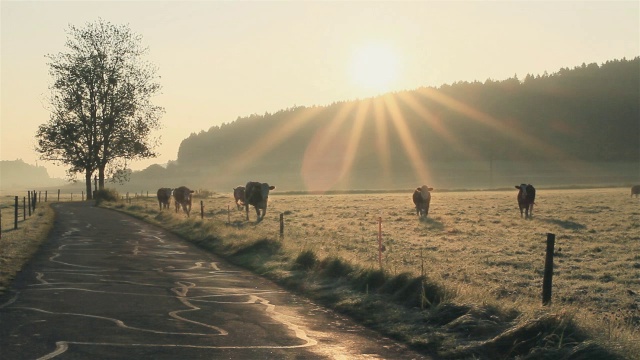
(522, 137)
(354, 138)
(436, 124)
(406, 139)
(322, 165)
(270, 140)
(382, 147)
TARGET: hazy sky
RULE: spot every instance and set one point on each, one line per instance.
(220, 60)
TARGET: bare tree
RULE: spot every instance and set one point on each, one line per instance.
(101, 111)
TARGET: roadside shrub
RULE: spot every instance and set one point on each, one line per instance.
(306, 260)
(370, 279)
(335, 267)
(202, 194)
(110, 195)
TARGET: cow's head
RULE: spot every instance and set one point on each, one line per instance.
(424, 191)
(523, 190)
(264, 190)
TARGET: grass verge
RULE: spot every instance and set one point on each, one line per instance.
(18, 246)
(417, 310)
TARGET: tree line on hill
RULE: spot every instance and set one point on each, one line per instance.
(587, 114)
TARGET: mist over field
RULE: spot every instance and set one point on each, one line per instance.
(575, 127)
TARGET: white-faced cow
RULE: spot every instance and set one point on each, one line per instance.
(257, 195)
(238, 195)
(182, 197)
(422, 200)
(526, 199)
(164, 197)
(635, 190)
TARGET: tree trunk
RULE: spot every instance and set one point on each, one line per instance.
(101, 177)
(87, 176)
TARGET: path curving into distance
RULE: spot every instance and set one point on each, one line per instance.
(107, 286)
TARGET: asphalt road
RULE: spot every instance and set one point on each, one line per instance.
(107, 286)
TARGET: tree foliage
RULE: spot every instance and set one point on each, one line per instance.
(102, 116)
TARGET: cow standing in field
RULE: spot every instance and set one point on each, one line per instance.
(635, 190)
(422, 200)
(257, 195)
(164, 197)
(526, 199)
(182, 197)
(239, 196)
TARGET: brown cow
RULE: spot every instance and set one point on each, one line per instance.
(257, 195)
(635, 190)
(182, 197)
(164, 197)
(422, 200)
(526, 199)
(238, 195)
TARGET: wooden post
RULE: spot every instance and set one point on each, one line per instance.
(380, 241)
(39, 196)
(15, 222)
(45, 195)
(29, 202)
(82, 195)
(548, 270)
(281, 225)
(201, 210)
(247, 207)
(24, 208)
(58, 195)
(34, 200)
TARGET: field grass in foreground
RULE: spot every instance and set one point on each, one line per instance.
(18, 245)
(464, 282)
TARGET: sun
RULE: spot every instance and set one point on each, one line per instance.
(374, 67)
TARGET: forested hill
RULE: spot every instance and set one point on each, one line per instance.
(587, 114)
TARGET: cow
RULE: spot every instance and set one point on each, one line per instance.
(164, 197)
(257, 195)
(238, 195)
(526, 199)
(182, 197)
(635, 190)
(422, 199)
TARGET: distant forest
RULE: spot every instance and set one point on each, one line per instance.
(567, 127)
(17, 174)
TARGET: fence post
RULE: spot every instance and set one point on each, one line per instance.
(29, 198)
(82, 195)
(15, 222)
(281, 225)
(380, 241)
(34, 200)
(548, 270)
(24, 208)
(201, 210)
(45, 195)
(58, 195)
